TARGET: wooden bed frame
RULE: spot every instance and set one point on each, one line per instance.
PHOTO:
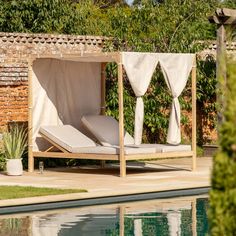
(121, 157)
(63, 153)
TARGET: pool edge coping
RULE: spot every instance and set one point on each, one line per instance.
(62, 204)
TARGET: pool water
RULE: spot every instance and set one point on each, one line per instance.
(174, 217)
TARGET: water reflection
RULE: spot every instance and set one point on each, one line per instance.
(174, 217)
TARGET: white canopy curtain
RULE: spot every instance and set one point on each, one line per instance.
(176, 69)
(139, 68)
(63, 91)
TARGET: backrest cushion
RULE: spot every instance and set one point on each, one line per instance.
(105, 129)
(67, 137)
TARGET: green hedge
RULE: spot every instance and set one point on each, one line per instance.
(223, 194)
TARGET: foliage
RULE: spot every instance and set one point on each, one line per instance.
(109, 3)
(15, 142)
(229, 3)
(12, 192)
(206, 98)
(2, 160)
(38, 16)
(223, 194)
(168, 27)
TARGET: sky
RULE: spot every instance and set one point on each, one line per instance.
(129, 1)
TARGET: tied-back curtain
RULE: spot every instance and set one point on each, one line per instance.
(176, 69)
(139, 68)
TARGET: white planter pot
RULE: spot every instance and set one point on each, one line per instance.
(14, 167)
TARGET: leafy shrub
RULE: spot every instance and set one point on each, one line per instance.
(206, 99)
(223, 194)
(2, 160)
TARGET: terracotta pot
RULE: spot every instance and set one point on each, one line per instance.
(14, 167)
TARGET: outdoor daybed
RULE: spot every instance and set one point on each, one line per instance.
(66, 91)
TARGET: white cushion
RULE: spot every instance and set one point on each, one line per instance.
(67, 137)
(176, 148)
(105, 129)
(95, 150)
(167, 147)
(139, 150)
(113, 150)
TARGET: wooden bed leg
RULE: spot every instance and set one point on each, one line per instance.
(30, 162)
(194, 162)
(102, 164)
(122, 166)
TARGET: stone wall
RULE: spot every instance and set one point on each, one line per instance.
(15, 50)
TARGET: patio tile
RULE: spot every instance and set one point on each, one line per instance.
(154, 176)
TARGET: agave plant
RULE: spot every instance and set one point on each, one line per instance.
(15, 142)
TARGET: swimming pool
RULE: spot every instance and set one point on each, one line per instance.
(175, 216)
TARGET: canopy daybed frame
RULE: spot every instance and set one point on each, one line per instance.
(104, 58)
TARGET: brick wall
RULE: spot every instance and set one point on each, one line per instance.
(13, 93)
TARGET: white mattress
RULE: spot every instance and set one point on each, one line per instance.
(105, 129)
(113, 150)
(74, 141)
(160, 148)
(67, 137)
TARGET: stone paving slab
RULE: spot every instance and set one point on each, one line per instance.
(152, 176)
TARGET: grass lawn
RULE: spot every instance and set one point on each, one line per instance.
(11, 192)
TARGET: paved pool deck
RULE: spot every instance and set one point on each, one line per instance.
(148, 177)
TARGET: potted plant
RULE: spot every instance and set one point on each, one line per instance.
(14, 146)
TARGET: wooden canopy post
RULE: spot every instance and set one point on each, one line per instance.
(103, 88)
(121, 118)
(194, 116)
(30, 122)
(221, 69)
(223, 17)
(103, 96)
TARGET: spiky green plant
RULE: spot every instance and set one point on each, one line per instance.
(15, 142)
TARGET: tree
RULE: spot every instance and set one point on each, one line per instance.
(39, 16)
